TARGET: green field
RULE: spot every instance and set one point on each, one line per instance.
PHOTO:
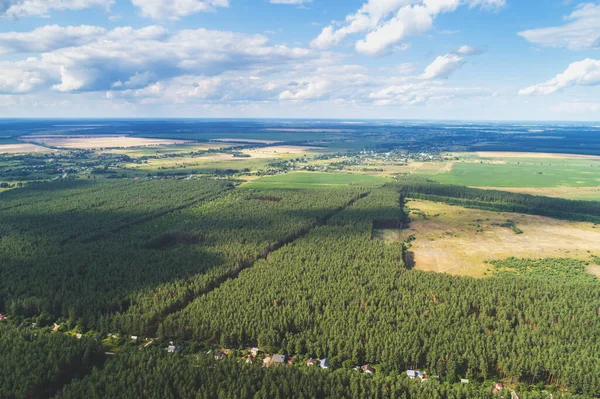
(315, 179)
(529, 172)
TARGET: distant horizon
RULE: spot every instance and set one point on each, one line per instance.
(507, 121)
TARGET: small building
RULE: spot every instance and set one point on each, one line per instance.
(220, 355)
(278, 359)
(249, 359)
(134, 337)
(267, 361)
(171, 348)
(498, 387)
(464, 381)
(311, 362)
(254, 351)
(324, 363)
(368, 369)
(412, 374)
(78, 336)
(3, 316)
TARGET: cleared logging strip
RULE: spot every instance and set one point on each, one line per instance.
(234, 273)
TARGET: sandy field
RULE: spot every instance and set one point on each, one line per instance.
(22, 148)
(96, 142)
(249, 141)
(271, 152)
(450, 242)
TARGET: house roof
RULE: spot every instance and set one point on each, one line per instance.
(278, 359)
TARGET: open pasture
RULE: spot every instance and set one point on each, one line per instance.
(280, 151)
(315, 180)
(459, 241)
(96, 142)
(498, 170)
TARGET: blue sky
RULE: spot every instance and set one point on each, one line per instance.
(413, 59)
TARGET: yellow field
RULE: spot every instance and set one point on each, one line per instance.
(23, 148)
(249, 141)
(451, 243)
(96, 142)
(167, 149)
(280, 151)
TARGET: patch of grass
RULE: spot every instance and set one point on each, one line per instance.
(523, 172)
(315, 179)
(570, 269)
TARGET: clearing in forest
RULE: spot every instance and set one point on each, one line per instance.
(96, 142)
(459, 241)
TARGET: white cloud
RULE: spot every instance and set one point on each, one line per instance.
(582, 32)
(582, 73)
(18, 78)
(26, 8)
(48, 38)
(445, 65)
(175, 9)
(419, 93)
(107, 62)
(389, 23)
(307, 90)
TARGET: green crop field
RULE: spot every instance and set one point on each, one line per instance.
(315, 179)
(530, 172)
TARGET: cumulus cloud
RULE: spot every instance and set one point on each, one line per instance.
(388, 23)
(419, 93)
(175, 9)
(582, 32)
(582, 73)
(445, 65)
(48, 38)
(151, 54)
(26, 8)
(19, 78)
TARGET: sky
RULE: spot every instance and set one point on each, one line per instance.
(360, 59)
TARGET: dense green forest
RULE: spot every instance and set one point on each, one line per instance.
(34, 364)
(210, 265)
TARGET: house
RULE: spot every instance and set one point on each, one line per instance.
(3, 316)
(78, 336)
(368, 369)
(412, 374)
(134, 337)
(267, 361)
(514, 395)
(249, 359)
(498, 387)
(171, 348)
(324, 364)
(220, 355)
(254, 351)
(278, 359)
(311, 362)
(464, 381)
